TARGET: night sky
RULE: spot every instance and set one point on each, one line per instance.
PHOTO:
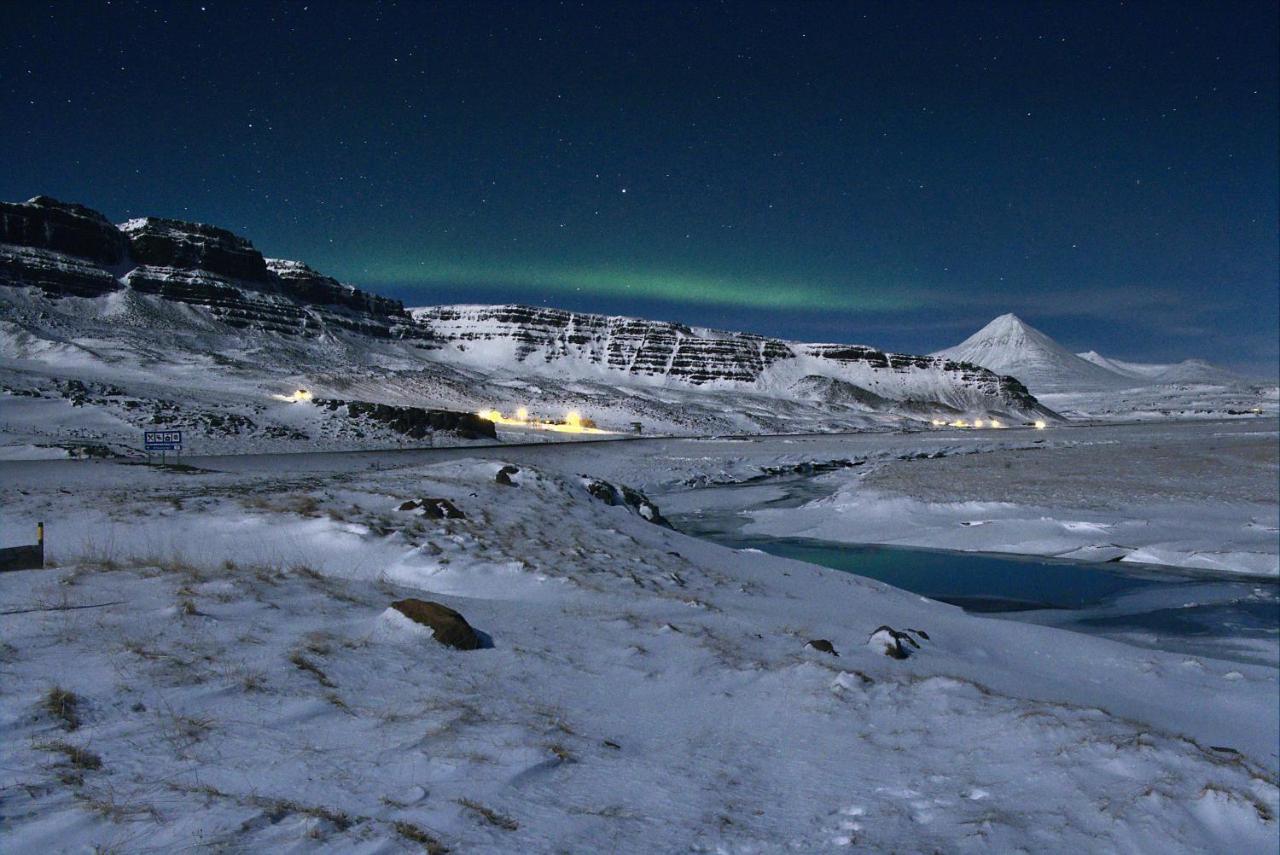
(891, 173)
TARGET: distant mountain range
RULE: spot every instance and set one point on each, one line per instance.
(1009, 345)
(159, 322)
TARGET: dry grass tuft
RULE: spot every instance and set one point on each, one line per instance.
(79, 758)
(489, 815)
(305, 664)
(65, 705)
(419, 835)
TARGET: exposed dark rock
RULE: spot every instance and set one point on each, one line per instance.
(624, 496)
(415, 422)
(504, 475)
(56, 274)
(46, 223)
(627, 344)
(193, 246)
(435, 509)
(232, 305)
(447, 626)
(299, 281)
(889, 641)
(822, 646)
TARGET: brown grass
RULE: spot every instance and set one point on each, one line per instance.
(65, 705)
(490, 815)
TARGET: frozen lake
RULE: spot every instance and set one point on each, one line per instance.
(1164, 608)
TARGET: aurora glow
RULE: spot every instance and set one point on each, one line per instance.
(669, 287)
(893, 174)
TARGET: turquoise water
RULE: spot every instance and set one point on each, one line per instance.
(977, 581)
(1227, 618)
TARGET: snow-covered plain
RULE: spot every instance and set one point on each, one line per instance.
(1199, 496)
(239, 684)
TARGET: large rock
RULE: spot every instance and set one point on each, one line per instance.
(46, 223)
(890, 641)
(624, 496)
(194, 246)
(447, 626)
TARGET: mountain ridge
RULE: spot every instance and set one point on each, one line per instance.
(136, 307)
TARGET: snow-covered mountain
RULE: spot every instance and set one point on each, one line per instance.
(105, 330)
(1009, 345)
(1092, 386)
(1187, 371)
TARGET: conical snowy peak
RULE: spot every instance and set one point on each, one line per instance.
(1009, 345)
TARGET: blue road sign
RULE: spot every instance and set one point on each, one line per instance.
(162, 440)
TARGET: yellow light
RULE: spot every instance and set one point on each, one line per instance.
(996, 424)
(977, 423)
(300, 395)
(573, 422)
(959, 423)
(1040, 425)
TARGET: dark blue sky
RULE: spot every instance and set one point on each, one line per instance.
(888, 173)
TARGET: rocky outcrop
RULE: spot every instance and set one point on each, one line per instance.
(194, 246)
(435, 509)
(299, 281)
(56, 274)
(69, 250)
(822, 645)
(232, 305)
(626, 497)
(415, 422)
(890, 641)
(46, 223)
(447, 626)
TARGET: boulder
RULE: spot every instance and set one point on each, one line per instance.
(447, 626)
(889, 641)
(625, 497)
(504, 475)
(822, 646)
(436, 509)
(441, 509)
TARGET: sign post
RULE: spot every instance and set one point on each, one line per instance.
(162, 441)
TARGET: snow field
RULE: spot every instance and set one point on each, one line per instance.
(241, 685)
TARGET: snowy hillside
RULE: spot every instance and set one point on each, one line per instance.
(106, 331)
(1187, 371)
(1092, 386)
(1008, 345)
(216, 663)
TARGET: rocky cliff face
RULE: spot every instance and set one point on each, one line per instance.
(45, 223)
(194, 246)
(69, 250)
(539, 339)
(627, 345)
